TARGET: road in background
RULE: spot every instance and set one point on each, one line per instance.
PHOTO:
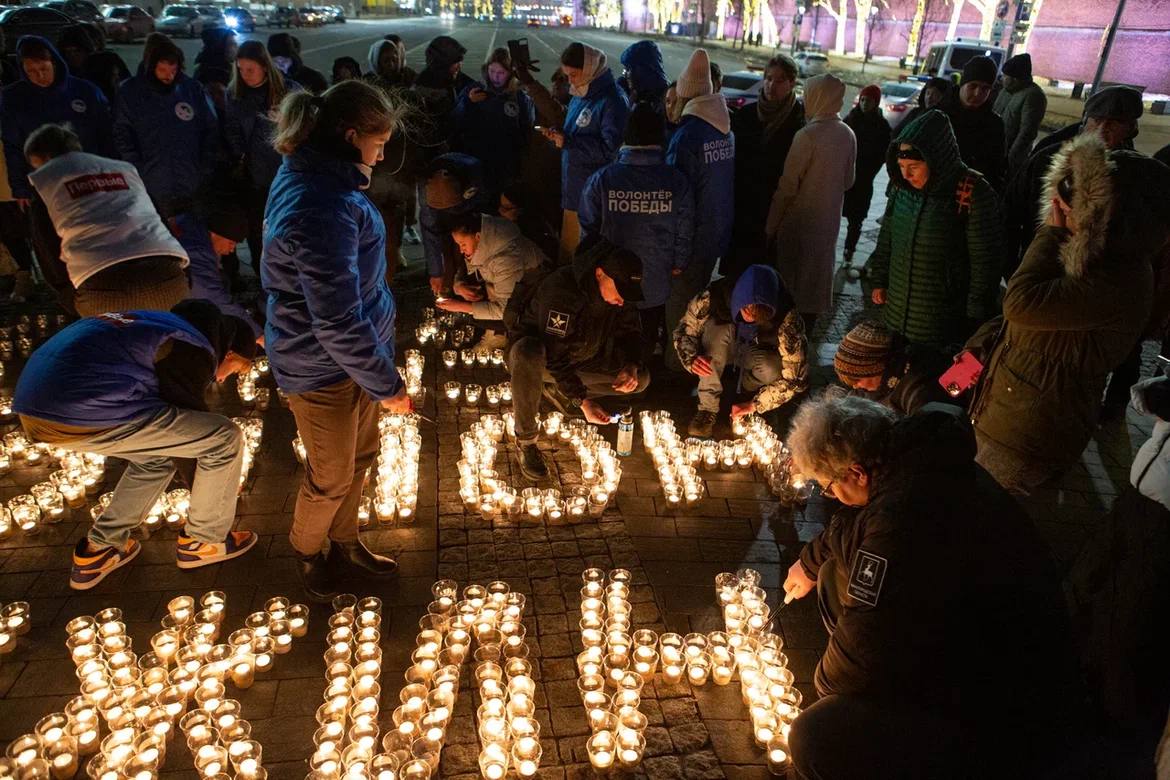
(320, 46)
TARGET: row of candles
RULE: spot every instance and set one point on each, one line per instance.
(472, 357)
(247, 384)
(509, 732)
(395, 475)
(484, 489)
(22, 336)
(678, 461)
(179, 684)
(452, 329)
(347, 736)
(77, 476)
(473, 393)
(15, 621)
(766, 683)
(612, 669)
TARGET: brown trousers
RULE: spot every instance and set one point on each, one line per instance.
(339, 428)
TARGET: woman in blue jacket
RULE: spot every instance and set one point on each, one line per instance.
(494, 121)
(592, 133)
(165, 124)
(253, 101)
(330, 329)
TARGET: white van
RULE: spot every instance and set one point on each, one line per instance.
(952, 56)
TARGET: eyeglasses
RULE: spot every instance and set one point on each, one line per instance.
(827, 487)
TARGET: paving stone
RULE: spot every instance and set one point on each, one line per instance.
(663, 768)
(658, 742)
(458, 759)
(679, 711)
(689, 737)
(569, 721)
(702, 766)
(733, 742)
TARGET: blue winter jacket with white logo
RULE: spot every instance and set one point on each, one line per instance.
(707, 157)
(644, 205)
(100, 371)
(170, 135)
(593, 130)
(330, 311)
(24, 107)
(495, 131)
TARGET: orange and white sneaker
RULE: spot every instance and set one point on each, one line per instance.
(192, 553)
(91, 568)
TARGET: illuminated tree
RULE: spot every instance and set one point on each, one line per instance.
(986, 8)
(722, 8)
(839, 10)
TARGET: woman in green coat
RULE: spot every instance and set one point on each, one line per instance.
(1072, 312)
(937, 263)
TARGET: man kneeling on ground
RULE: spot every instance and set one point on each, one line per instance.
(574, 336)
(753, 325)
(131, 385)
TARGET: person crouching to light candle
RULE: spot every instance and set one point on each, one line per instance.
(131, 385)
(330, 324)
(926, 558)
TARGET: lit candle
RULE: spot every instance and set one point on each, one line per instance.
(601, 747)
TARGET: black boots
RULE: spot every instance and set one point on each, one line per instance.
(317, 578)
(355, 559)
(532, 463)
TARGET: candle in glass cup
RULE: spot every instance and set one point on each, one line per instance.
(601, 748)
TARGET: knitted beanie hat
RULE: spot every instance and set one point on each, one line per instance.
(873, 92)
(696, 77)
(982, 69)
(1019, 66)
(864, 352)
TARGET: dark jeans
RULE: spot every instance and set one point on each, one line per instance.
(853, 235)
(257, 201)
(653, 325)
(683, 288)
(47, 245)
(14, 234)
(526, 361)
(339, 427)
(842, 737)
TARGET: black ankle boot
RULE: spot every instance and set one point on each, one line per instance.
(355, 558)
(317, 578)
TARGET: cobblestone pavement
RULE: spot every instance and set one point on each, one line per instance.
(674, 555)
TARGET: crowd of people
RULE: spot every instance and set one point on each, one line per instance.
(608, 230)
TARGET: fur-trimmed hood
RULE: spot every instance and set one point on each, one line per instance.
(1086, 160)
(1121, 204)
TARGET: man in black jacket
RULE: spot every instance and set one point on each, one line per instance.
(927, 559)
(978, 129)
(577, 328)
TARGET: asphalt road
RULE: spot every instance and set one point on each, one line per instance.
(320, 46)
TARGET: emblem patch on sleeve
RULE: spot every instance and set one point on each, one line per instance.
(557, 324)
(865, 581)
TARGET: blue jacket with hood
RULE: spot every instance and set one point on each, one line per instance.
(703, 147)
(644, 205)
(643, 64)
(249, 127)
(436, 239)
(330, 311)
(100, 371)
(593, 131)
(495, 131)
(24, 107)
(170, 134)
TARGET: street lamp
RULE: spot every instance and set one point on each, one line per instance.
(796, 22)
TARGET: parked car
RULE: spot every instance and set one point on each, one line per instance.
(530, 22)
(949, 57)
(742, 87)
(811, 63)
(333, 14)
(81, 10)
(126, 23)
(899, 98)
(31, 20)
(212, 17)
(180, 20)
(285, 16)
(239, 19)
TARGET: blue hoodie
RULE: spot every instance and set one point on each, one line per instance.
(169, 134)
(330, 311)
(644, 205)
(495, 131)
(643, 64)
(24, 107)
(593, 130)
(758, 284)
(706, 154)
(207, 280)
(434, 237)
(100, 371)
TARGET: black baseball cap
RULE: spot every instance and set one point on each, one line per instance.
(625, 268)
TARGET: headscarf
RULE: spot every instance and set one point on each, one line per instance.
(824, 96)
(595, 65)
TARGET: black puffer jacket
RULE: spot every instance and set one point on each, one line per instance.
(981, 139)
(579, 329)
(938, 561)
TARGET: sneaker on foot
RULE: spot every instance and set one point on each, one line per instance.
(532, 463)
(193, 553)
(91, 568)
(410, 236)
(702, 424)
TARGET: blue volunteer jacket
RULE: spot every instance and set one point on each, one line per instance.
(330, 311)
(436, 238)
(170, 135)
(99, 372)
(707, 157)
(644, 205)
(249, 127)
(495, 131)
(593, 130)
(24, 107)
(207, 282)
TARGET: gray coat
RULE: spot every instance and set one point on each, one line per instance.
(500, 260)
(1022, 112)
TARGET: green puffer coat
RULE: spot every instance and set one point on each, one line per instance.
(939, 252)
(1072, 312)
